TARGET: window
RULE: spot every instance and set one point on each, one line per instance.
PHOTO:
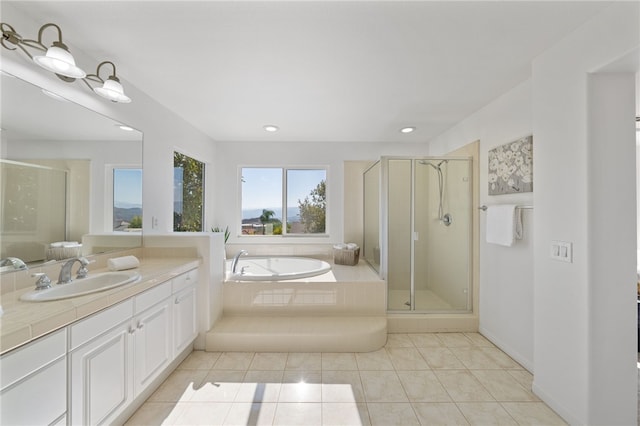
(295, 197)
(188, 193)
(127, 199)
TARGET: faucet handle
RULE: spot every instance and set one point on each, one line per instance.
(83, 271)
(43, 282)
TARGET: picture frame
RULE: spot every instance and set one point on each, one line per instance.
(511, 167)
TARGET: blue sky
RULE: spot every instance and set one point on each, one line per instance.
(127, 188)
(262, 187)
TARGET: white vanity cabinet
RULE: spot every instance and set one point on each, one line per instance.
(152, 335)
(33, 382)
(116, 353)
(185, 324)
(95, 370)
(129, 345)
(101, 365)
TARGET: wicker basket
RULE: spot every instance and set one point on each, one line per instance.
(60, 253)
(349, 257)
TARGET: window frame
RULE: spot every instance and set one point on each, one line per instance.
(284, 170)
(204, 190)
(109, 201)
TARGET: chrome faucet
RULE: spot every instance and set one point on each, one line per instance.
(234, 262)
(15, 262)
(65, 271)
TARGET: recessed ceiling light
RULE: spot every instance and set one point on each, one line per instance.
(54, 96)
(271, 128)
(125, 128)
(407, 129)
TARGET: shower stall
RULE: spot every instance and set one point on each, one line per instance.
(418, 232)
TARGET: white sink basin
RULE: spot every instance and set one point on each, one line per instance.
(79, 287)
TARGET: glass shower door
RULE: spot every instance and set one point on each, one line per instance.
(442, 237)
(371, 238)
(399, 234)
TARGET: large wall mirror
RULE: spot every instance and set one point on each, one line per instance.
(70, 179)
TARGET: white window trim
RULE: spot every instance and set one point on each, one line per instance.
(284, 235)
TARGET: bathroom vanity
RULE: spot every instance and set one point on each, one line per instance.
(120, 343)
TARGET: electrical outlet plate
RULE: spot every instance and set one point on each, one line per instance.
(562, 251)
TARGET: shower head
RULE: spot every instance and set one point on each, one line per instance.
(429, 163)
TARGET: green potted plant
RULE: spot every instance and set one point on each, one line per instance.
(226, 232)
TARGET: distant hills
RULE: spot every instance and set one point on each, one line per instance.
(121, 214)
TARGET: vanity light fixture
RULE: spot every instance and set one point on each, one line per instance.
(111, 88)
(125, 127)
(56, 59)
(60, 61)
(407, 129)
(271, 128)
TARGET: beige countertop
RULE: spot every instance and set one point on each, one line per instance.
(22, 322)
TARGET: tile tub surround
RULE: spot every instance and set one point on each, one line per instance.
(398, 384)
(342, 310)
(25, 321)
(344, 290)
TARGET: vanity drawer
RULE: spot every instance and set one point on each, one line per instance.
(91, 327)
(185, 280)
(38, 399)
(152, 296)
(24, 360)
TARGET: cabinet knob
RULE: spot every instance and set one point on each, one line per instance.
(132, 330)
(140, 325)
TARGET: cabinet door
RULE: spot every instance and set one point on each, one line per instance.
(152, 349)
(101, 383)
(185, 325)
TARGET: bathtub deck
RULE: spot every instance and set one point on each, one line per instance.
(340, 311)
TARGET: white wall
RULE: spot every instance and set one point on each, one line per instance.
(576, 330)
(583, 170)
(232, 155)
(506, 273)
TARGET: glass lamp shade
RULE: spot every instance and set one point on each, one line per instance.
(59, 61)
(112, 90)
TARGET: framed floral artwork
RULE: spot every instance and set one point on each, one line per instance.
(511, 167)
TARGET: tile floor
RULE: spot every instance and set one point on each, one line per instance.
(416, 379)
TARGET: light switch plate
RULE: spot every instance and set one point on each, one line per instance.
(562, 251)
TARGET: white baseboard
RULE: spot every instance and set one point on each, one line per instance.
(517, 356)
(553, 404)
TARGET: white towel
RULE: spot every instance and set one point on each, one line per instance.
(504, 224)
(122, 263)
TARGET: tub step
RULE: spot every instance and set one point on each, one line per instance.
(297, 334)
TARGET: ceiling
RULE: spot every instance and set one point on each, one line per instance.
(325, 71)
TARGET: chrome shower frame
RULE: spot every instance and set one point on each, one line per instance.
(384, 225)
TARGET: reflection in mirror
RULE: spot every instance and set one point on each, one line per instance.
(70, 179)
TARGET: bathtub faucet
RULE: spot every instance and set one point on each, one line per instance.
(234, 263)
